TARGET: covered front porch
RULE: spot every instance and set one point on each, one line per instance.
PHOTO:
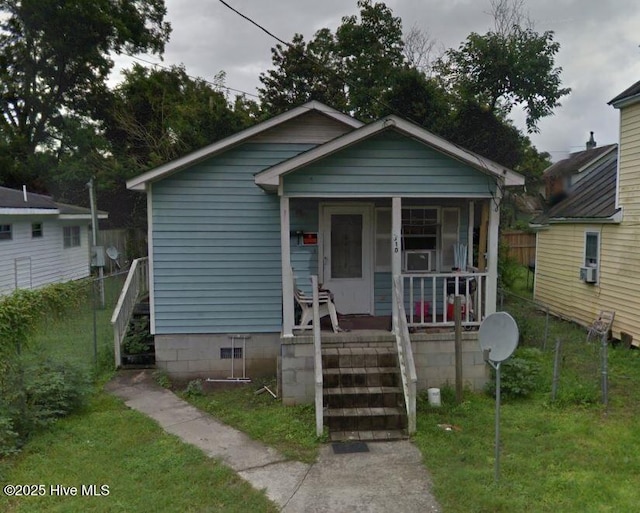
(438, 247)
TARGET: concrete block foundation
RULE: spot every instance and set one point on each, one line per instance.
(434, 356)
(188, 357)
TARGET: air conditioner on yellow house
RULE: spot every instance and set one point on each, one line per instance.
(589, 274)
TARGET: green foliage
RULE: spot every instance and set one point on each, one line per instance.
(9, 439)
(508, 267)
(162, 113)
(36, 393)
(146, 468)
(194, 388)
(23, 309)
(520, 375)
(289, 429)
(162, 378)
(138, 338)
(349, 69)
(505, 69)
(55, 59)
(35, 390)
(53, 390)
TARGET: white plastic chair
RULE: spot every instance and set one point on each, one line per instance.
(306, 305)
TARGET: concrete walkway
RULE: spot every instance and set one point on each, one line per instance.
(390, 477)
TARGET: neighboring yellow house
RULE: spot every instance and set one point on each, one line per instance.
(588, 245)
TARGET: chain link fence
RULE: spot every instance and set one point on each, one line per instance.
(82, 335)
(573, 364)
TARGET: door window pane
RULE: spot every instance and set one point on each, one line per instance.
(346, 246)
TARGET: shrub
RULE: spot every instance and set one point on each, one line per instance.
(508, 267)
(194, 388)
(519, 375)
(8, 437)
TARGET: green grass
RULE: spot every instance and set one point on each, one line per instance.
(290, 429)
(571, 455)
(566, 457)
(145, 469)
(71, 337)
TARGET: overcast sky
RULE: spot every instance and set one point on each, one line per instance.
(599, 48)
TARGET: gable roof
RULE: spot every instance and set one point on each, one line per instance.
(578, 161)
(269, 179)
(17, 202)
(139, 182)
(593, 199)
(627, 97)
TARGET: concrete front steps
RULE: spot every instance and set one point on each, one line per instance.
(363, 398)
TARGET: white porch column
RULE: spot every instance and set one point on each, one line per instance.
(492, 253)
(396, 251)
(287, 279)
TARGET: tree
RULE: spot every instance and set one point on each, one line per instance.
(370, 50)
(418, 98)
(160, 114)
(419, 49)
(303, 72)
(504, 69)
(350, 70)
(54, 62)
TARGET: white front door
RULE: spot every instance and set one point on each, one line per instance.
(346, 256)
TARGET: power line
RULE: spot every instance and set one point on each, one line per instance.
(168, 68)
(317, 63)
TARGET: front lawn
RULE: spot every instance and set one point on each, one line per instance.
(145, 469)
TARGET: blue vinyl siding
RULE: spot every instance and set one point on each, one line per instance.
(388, 164)
(304, 259)
(216, 245)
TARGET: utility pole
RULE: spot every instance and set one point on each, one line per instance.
(96, 252)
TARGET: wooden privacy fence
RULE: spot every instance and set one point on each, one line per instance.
(522, 245)
(130, 243)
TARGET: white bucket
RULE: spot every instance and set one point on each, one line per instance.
(434, 396)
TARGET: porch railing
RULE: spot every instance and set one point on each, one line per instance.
(317, 356)
(405, 356)
(136, 284)
(429, 298)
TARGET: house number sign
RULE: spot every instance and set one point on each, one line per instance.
(396, 246)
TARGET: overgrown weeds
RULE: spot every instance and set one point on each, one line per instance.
(46, 361)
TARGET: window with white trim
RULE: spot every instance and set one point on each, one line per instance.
(5, 232)
(591, 249)
(428, 237)
(71, 237)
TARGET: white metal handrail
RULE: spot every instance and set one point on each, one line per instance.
(317, 355)
(136, 284)
(427, 291)
(405, 356)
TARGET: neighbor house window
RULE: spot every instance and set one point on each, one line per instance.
(71, 237)
(591, 249)
(36, 230)
(5, 232)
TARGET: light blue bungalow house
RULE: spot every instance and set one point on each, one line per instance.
(236, 226)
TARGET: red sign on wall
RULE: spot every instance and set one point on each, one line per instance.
(310, 239)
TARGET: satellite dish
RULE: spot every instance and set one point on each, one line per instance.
(499, 335)
(113, 254)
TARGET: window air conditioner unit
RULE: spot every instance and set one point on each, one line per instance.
(588, 274)
(417, 261)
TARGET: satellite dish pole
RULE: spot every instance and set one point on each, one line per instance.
(96, 252)
(498, 336)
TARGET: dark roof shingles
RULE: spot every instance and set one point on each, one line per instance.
(575, 161)
(627, 93)
(593, 197)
